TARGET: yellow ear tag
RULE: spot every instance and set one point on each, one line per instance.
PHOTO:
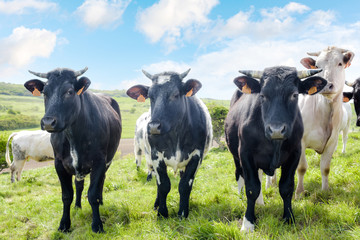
(141, 98)
(189, 93)
(246, 89)
(346, 99)
(312, 90)
(80, 91)
(36, 92)
(313, 67)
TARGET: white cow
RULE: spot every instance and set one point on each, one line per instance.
(322, 113)
(345, 123)
(141, 143)
(27, 145)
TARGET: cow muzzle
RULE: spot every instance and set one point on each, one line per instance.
(276, 132)
(48, 124)
(154, 128)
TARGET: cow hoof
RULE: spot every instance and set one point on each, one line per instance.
(247, 226)
(64, 228)
(97, 228)
(163, 213)
(183, 214)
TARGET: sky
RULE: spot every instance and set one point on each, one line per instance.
(116, 39)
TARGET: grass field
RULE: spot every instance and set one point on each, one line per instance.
(31, 208)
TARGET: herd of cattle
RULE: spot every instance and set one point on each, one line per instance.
(274, 116)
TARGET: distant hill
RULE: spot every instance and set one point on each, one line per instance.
(20, 90)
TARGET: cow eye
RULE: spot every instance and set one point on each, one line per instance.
(70, 92)
(295, 95)
(340, 64)
(262, 97)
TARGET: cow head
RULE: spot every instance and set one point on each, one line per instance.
(277, 91)
(333, 61)
(62, 96)
(355, 94)
(167, 95)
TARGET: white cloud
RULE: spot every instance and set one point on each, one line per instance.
(25, 6)
(24, 45)
(255, 45)
(102, 13)
(168, 19)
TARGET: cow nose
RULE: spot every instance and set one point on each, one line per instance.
(154, 128)
(276, 131)
(48, 123)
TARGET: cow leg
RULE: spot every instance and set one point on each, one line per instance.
(301, 170)
(79, 185)
(344, 138)
(185, 185)
(163, 188)
(67, 195)
(97, 177)
(271, 181)
(17, 167)
(260, 199)
(325, 162)
(253, 188)
(137, 153)
(286, 185)
(238, 174)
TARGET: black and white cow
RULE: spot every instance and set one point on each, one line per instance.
(85, 133)
(355, 94)
(179, 132)
(141, 143)
(27, 145)
(264, 129)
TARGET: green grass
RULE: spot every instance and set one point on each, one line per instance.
(31, 208)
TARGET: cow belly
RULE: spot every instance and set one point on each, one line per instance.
(316, 140)
(176, 162)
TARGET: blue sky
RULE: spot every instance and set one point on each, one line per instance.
(215, 38)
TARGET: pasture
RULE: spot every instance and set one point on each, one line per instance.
(31, 208)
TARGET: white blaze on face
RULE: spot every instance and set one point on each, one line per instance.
(163, 79)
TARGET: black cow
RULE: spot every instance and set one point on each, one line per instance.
(179, 132)
(355, 94)
(264, 129)
(85, 133)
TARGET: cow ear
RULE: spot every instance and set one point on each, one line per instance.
(138, 92)
(347, 96)
(348, 57)
(191, 87)
(247, 84)
(35, 86)
(309, 63)
(82, 85)
(312, 85)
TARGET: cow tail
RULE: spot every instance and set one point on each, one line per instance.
(7, 155)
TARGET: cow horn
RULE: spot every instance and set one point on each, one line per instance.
(349, 84)
(42, 75)
(184, 74)
(252, 73)
(308, 73)
(316, 54)
(81, 72)
(147, 74)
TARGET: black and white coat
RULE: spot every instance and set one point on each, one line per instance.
(179, 132)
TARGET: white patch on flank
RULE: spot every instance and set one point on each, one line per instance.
(247, 226)
(191, 181)
(241, 184)
(163, 79)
